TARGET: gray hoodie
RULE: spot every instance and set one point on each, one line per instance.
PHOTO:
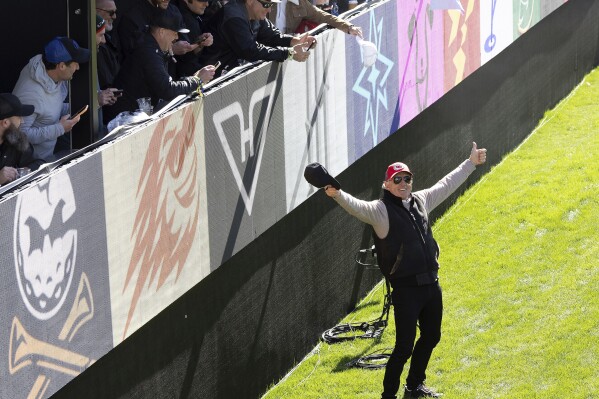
(37, 88)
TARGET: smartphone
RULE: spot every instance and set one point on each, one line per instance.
(118, 92)
(80, 112)
(216, 65)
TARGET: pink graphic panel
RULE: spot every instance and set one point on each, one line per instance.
(420, 45)
(462, 38)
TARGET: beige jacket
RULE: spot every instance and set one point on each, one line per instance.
(294, 14)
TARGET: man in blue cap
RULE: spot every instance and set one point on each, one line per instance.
(43, 83)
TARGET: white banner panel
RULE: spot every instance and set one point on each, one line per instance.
(157, 229)
(315, 121)
(496, 28)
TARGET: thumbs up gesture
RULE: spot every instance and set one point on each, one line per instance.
(478, 156)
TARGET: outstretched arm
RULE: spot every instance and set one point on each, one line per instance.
(436, 194)
(373, 213)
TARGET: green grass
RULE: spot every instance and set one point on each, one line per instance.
(520, 278)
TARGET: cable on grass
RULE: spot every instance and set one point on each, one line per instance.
(366, 329)
(372, 361)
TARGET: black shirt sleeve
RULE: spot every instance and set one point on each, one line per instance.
(237, 32)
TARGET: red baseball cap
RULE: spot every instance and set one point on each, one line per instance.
(395, 168)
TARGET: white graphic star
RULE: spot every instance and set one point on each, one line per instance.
(374, 89)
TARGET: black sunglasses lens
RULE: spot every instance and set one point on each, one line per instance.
(398, 179)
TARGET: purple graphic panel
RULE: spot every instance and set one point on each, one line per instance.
(420, 47)
(372, 90)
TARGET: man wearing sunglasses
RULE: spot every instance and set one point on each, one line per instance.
(242, 33)
(109, 57)
(407, 255)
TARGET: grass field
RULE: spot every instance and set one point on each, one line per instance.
(520, 278)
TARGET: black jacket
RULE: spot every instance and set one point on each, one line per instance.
(135, 23)
(238, 39)
(145, 74)
(189, 63)
(192, 21)
(10, 156)
(409, 248)
(109, 62)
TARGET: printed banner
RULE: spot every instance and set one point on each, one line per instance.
(97, 249)
(244, 160)
(372, 91)
(420, 43)
(315, 125)
(157, 227)
(496, 28)
(462, 41)
(526, 14)
(55, 319)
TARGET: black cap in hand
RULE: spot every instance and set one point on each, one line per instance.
(318, 176)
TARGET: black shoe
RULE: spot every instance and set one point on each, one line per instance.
(421, 391)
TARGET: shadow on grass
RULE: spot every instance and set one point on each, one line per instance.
(345, 363)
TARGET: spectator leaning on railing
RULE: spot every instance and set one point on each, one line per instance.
(134, 23)
(243, 33)
(145, 72)
(290, 14)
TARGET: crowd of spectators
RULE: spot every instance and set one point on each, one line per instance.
(157, 49)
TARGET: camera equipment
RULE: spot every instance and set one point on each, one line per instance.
(366, 329)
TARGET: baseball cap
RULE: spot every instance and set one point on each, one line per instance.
(395, 168)
(167, 20)
(63, 49)
(10, 105)
(318, 176)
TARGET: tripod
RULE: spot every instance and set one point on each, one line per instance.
(367, 329)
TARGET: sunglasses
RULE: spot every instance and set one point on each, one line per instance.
(265, 4)
(324, 7)
(110, 12)
(398, 179)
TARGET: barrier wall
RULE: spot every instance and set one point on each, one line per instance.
(206, 210)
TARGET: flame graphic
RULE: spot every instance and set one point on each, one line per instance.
(167, 218)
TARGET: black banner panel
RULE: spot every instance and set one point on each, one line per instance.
(55, 272)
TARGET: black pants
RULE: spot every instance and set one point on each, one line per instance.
(422, 306)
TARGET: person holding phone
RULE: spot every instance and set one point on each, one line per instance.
(109, 95)
(43, 83)
(407, 255)
(243, 33)
(146, 73)
(299, 16)
(192, 12)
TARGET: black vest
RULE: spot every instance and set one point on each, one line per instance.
(409, 252)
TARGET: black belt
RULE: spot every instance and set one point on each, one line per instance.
(416, 280)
